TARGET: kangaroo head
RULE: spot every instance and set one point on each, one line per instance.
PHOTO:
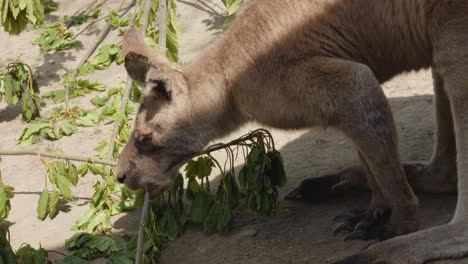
(164, 135)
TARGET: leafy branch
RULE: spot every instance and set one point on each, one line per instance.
(15, 15)
(17, 83)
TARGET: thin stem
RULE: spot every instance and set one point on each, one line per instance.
(217, 164)
(6, 152)
(207, 151)
(145, 18)
(162, 25)
(141, 229)
(250, 136)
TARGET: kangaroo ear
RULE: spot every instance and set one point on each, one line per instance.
(140, 58)
(137, 66)
(136, 55)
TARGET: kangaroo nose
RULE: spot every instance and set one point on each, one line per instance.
(121, 177)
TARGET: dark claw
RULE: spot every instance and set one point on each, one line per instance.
(342, 227)
(352, 215)
(363, 224)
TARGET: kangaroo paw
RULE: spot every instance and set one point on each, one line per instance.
(363, 224)
(327, 186)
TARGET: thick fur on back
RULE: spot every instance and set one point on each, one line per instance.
(252, 58)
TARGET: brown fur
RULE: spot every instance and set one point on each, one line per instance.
(296, 64)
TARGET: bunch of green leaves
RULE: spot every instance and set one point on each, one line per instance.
(6, 193)
(213, 211)
(56, 37)
(89, 247)
(116, 22)
(262, 173)
(17, 84)
(110, 198)
(166, 221)
(7, 255)
(16, 14)
(173, 30)
(77, 87)
(232, 7)
(6, 252)
(82, 19)
(106, 55)
(112, 101)
(109, 107)
(28, 255)
(57, 123)
(24, 255)
(62, 175)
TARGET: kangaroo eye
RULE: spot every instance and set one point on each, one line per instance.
(143, 139)
(143, 142)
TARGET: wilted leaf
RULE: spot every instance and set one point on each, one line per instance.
(53, 205)
(64, 186)
(201, 206)
(42, 205)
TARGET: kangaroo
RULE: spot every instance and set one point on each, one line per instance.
(319, 63)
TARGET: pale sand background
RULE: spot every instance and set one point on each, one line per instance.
(301, 233)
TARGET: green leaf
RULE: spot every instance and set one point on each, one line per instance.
(210, 224)
(101, 219)
(97, 170)
(122, 257)
(277, 173)
(86, 68)
(83, 169)
(6, 193)
(65, 127)
(72, 174)
(89, 120)
(11, 86)
(193, 187)
(6, 252)
(53, 205)
(32, 129)
(102, 58)
(201, 206)
(88, 246)
(56, 37)
(26, 254)
(99, 101)
(233, 6)
(119, 117)
(57, 96)
(42, 205)
(64, 186)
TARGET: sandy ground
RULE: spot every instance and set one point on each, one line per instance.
(300, 233)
